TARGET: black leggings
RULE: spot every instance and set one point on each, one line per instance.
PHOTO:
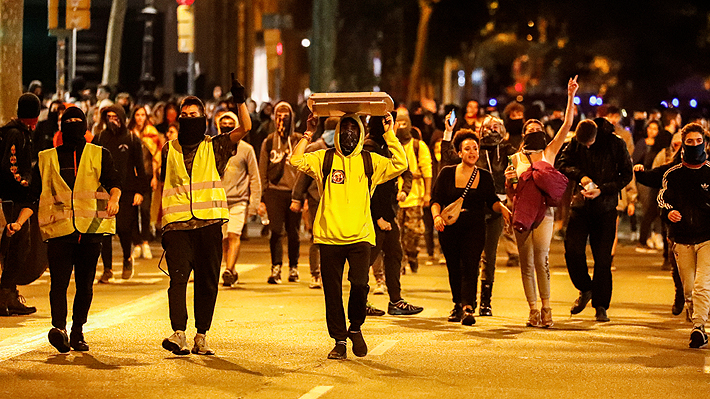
(126, 225)
(282, 222)
(462, 244)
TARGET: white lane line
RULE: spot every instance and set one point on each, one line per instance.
(559, 273)
(317, 392)
(706, 369)
(660, 277)
(383, 347)
(33, 340)
(501, 271)
(137, 281)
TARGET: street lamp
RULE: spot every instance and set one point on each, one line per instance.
(147, 79)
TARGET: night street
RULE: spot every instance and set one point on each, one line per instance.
(271, 342)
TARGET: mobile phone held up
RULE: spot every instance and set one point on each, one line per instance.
(452, 118)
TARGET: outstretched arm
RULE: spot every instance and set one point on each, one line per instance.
(556, 144)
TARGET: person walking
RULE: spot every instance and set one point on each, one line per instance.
(343, 226)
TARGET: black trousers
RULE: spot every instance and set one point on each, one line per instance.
(462, 244)
(333, 259)
(198, 250)
(65, 256)
(15, 249)
(143, 234)
(428, 231)
(600, 228)
(388, 243)
(126, 225)
(282, 222)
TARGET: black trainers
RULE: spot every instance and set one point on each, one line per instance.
(414, 265)
(403, 308)
(293, 274)
(106, 276)
(12, 303)
(339, 352)
(76, 341)
(229, 277)
(678, 305)
(601, 314)
(698, 338)
(127, 269)
(275, 277)
(59, 339)
(373, 311)
(359, 345)
(581, 302)
(468, 318)
(456, 314)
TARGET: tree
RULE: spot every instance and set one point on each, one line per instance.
(425, 10)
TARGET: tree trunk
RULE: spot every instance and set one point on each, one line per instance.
(114, 36)
(11, 16)
(425, 10)
(322, 50)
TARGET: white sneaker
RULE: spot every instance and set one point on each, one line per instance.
(201, 347)
(177, 343)
(657, 240)
(136, 252)
(147, 254)
(380, 289)
(315, 282)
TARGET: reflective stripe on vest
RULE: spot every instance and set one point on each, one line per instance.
(199, 196)
(62, 211)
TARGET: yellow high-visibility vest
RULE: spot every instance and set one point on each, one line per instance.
(199, 196)
(62, 211)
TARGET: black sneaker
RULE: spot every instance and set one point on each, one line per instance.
(468, 318)
(678, 305)
(581, 302)
(275, 277)
(293, 275)
(456, 314)
(359, 345)
(229, 277)
(373, 311)
(76, 341)
(698, 338)
(403, 308)
(601, 314)
(485, 310)
(59, 339)
(414, 265)
(339, 352)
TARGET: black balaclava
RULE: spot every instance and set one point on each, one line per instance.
(534, 141)
(28, 106)
(694, 154)
(192, 129)
(350, 138)
(73, 132)
(404, 134)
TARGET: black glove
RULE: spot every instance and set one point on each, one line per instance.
(238, 91)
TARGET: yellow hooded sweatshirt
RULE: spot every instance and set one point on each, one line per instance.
(343, 216)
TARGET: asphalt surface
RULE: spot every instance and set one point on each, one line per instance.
(271, 341)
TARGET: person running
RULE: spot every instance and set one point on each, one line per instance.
(534, 244)
(343, 226)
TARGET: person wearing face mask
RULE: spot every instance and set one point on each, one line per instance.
(411, 210)
(15, 182)
(534, 244)
(278, 177)
(242, 185)
(494, 152)
(514, 119)
(43, 136)
(74, 229)
(194, 208)
(684, 200)
(305, 191)
(127, 152)
(343, 226)
(598, 162)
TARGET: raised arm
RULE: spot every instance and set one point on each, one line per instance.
(239, 97)
(556, 144)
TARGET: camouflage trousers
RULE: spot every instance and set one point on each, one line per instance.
(411, 223)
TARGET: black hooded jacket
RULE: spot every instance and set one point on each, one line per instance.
(607, 162)
(127, 152)
(16, 162)
(384, 200)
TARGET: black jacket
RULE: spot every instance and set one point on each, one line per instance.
(127, 151)
(384, 200)
(687, 191)
(607, 162)
(16, 163)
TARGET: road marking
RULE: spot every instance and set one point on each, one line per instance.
(383, 347)
(706, 369)
(137, 281)
(317, 392)
(559, 273)
(501, 271)
(660, 277)
(19, 345)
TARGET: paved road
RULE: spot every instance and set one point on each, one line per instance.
(271, 342)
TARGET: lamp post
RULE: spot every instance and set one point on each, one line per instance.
(147, 78)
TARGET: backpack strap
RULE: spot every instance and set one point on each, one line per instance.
(369, 170)
(327, 164)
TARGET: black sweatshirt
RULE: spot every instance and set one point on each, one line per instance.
(687, 190)
(383, 203)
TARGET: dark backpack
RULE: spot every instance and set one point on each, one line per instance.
(328, 165)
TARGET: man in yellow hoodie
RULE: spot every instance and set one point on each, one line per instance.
(343, 227)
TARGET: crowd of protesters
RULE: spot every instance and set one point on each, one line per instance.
(523, 176)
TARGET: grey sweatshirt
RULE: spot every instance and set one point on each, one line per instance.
(241, 177)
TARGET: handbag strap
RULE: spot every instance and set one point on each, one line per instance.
(470, 182)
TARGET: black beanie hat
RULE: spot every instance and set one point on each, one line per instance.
(28, 106)
(73, 112)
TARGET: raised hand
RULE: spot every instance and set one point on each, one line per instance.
(572, 86)
(238, 91)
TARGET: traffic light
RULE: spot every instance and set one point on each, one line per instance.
(186, 29)
(53, 16)
(78, 14)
